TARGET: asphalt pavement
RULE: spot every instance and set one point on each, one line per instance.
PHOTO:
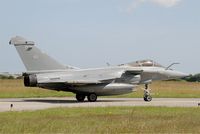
(30, 104)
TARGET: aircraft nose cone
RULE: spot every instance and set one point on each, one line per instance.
(177, 74)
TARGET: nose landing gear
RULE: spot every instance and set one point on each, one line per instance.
(147, 94)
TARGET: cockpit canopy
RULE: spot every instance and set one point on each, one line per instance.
(144, 63)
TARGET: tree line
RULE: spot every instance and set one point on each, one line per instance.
(10, 77)
(193, 78)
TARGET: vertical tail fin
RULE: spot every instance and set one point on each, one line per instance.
(33, 58)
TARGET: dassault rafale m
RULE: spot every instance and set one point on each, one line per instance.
(45, 72)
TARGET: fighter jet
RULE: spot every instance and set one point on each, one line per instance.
(45, 72)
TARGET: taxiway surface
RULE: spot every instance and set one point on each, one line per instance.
(24, 104)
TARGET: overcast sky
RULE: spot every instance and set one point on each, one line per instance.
(89, 33)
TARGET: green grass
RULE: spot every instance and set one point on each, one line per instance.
(170, 89)
(16, 89)
(103, 120)
(162, 89)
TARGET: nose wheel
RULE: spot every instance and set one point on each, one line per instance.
(147, 94)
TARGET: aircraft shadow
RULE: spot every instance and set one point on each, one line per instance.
(66, 101)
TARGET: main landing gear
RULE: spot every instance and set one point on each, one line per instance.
(80, 97)
(147, 95)
(92, 97)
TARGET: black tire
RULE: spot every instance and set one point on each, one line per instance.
(147, 98)
(80, 97)
(92, 97)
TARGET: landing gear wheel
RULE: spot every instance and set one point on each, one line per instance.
(80, 97)
(92, 97)
(147, 95)
(148, 98)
